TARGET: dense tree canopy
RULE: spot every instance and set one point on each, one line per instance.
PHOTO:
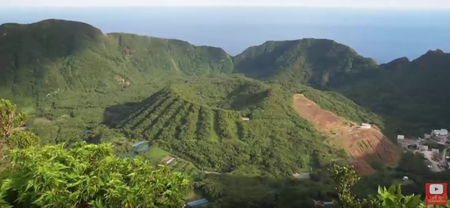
(85, 175)
(9, 121)
(187, 101)
(88, 174)
(346, 177)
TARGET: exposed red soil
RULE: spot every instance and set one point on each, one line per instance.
(363, 145)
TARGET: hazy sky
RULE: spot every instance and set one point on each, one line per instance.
(406, 4)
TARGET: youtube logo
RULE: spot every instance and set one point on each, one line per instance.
(436, 189)
(436, 194)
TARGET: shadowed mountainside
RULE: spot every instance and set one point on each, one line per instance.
(411, 95)
(41, 60)
(218, 139)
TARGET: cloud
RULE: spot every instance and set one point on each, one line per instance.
(420, 4)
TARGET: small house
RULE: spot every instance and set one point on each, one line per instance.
(405, 178)
(323, 204)
(441, 132)
(435, 151)
(301, 175)
(245, 118)
(132, 154)
(197, 203)
(423, 147)
(365, 126)
(400, 138)
(170, 160)
(145, 148)
(138, 143)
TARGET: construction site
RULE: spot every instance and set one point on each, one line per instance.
(363, 142)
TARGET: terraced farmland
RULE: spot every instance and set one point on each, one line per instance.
(274, 139)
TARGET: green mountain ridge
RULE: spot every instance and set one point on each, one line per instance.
(315, 62)
(81, 62)
(81, 58)
(412, 94)
(189, 100)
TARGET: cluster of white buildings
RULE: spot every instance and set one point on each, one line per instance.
(440, 135)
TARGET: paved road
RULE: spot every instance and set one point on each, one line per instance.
(444, 154)
(434, 164)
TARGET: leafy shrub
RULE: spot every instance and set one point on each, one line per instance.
(87, 176)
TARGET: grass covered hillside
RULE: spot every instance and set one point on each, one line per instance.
(41, 61)
(204, 125)
(226, 92)
(64, 74)
(315, 62)
(411, 95)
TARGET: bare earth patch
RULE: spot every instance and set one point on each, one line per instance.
(363, 145)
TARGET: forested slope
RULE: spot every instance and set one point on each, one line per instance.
(216, 138)
(411, 96)
(315, 62)
(39, 61)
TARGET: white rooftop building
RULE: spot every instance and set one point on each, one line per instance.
(441, 132)
(365, 126)
(436, 151)
(301, 175)
(170, 160)
(423, 147)
(400, 137)
(245, 119)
